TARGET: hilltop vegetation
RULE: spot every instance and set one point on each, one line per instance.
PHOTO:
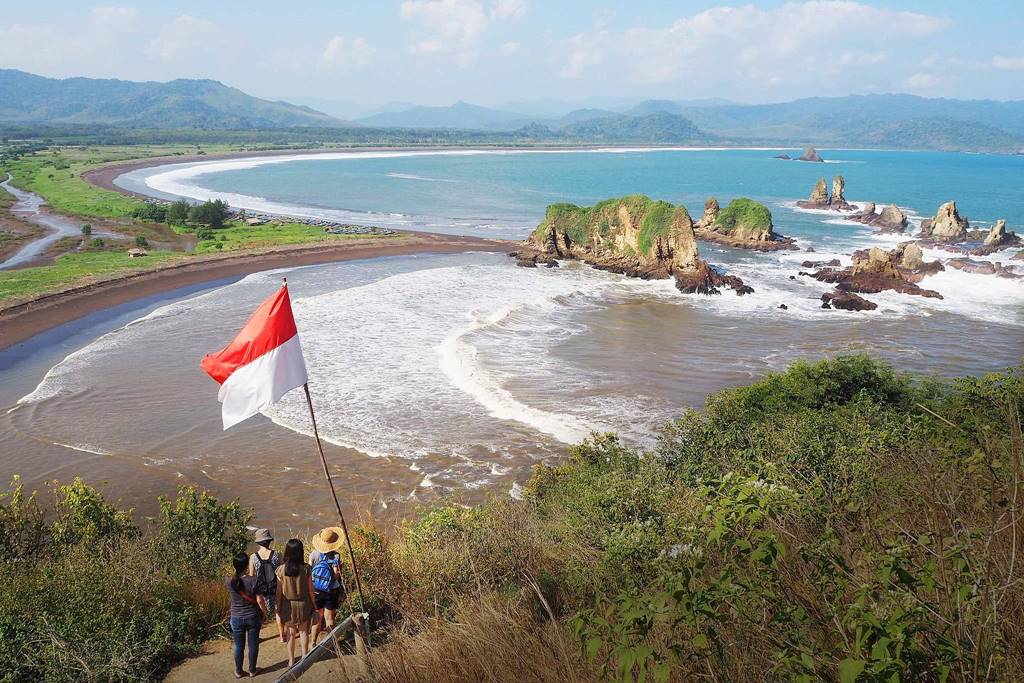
(595, 224)
(744, 215)
(837, 521)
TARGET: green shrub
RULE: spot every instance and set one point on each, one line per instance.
(197, 534)
(744, 214)
(141, 241)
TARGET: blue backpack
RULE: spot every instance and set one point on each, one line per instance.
(323, 574)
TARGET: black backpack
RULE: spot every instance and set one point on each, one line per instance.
(266, 572)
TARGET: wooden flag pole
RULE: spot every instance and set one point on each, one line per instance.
(337, 505)
(334, 494)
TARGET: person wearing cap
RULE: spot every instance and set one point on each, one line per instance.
(326, 562)
(263, 565)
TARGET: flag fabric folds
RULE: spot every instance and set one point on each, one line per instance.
(261, 364)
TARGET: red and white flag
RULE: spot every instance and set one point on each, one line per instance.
(261, 364)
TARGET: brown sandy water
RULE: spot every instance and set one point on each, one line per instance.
(433, 375)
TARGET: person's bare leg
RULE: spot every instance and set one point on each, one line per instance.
(280, 627)
(316, 627)
(291, 646)
(304, 641)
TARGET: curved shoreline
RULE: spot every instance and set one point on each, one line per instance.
(23, 321)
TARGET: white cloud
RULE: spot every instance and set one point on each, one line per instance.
(797, 43)
(922, 81)
(454, 27)
(115, 19)
(508, 9)
(184, 36)
(511, 48)
(341, 51)
(1011, 63)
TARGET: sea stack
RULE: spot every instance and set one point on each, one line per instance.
(838, 201)
(711, 209)
(811, 154)
(634, 235)
(946, 226)
(820, 199)
(745, 223)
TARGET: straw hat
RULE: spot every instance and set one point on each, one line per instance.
(330, 538)
(262, 536)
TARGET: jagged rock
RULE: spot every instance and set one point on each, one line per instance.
(1019, 256)
(838, 201)
(744, 223)
(820, 264)
(997, 235)
(891, 219)
(634, 236)
(873, 271)
(982, 267)
(810, 154)
(910, 262)
(946, 226)
(711, 209)
(783, 156)
(809, 250)
(784, 307)
(530, 259)
(818, 198)
(847, 301)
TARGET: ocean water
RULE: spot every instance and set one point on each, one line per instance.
(454, 374)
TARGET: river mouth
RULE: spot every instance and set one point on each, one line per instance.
(453, 375)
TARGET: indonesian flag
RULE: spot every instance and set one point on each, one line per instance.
(261, 364)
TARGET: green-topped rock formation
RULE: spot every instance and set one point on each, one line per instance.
(633, 235)
(744, 223)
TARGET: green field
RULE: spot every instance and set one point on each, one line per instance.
(238, 237)
(76, 269)
(56, 175)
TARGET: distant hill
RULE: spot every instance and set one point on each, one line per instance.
(657, 127)
(982, 125)
(182, 103)
(458, 115)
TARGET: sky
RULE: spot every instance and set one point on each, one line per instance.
(349, 57)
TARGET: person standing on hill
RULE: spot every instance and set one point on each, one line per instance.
(248, 610)
(295, 597)
(326, 570)
(263, 565)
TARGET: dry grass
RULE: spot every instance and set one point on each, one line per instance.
(487, 640)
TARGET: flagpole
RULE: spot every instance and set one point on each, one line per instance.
(334, 494)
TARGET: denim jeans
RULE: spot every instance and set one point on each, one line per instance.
(243, 628)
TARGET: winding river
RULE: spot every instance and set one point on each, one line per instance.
(28, 205)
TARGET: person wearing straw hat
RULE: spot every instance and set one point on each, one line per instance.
(326, 562)
(263, 565)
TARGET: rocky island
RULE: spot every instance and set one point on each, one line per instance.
(820, 198)
(744, 223)
(633, 235)
(811, 154)
(876, 270)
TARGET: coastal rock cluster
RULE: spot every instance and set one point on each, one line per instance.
(634, 236)
(876, 270)
(744, 223)
(890, 219)
(820, 198)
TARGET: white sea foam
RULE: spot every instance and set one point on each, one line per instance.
(412, 176)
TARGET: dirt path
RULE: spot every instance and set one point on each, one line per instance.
(215, 663)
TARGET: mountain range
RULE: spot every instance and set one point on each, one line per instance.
(890, 120)
(182, 103)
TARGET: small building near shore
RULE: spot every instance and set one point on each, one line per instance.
(136, 253)
(254, 221)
